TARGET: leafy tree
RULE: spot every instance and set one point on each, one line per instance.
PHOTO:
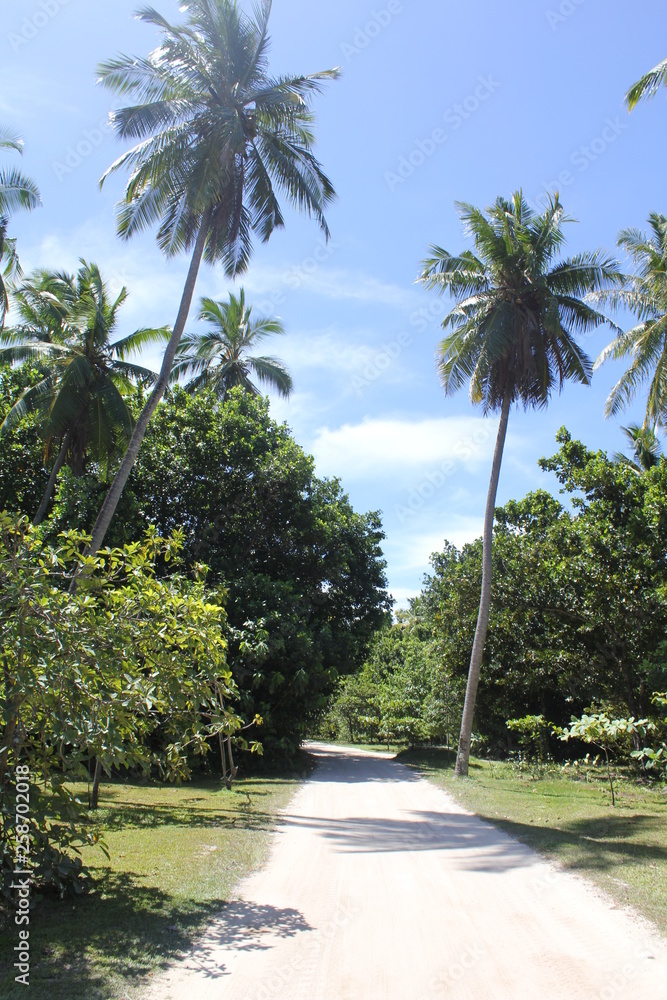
(66, 325)
(645, 343)
(219, 358)
(578, 602)
(518, 308)
(93, 675)
(304, 571)
(17, 193)
(648, 86)
(216, 133)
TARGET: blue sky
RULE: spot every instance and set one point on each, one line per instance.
(439, 102)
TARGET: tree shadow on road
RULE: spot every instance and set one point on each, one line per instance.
(479, 845)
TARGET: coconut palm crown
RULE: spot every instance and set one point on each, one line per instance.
(218, 358)
(646, 343)
(216, 132)
(66, 325)
(645, 445)
(518, 309)
(218, 140)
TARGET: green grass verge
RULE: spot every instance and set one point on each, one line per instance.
(622, 849)
(176, 854)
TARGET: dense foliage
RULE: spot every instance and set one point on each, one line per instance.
(579, 607)
(304, 572)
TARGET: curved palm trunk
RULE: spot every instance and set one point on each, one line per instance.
(463, 755)
(51, 485)
(108, 508)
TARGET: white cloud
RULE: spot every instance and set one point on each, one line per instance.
(397, 448)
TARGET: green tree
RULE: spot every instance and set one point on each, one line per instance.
(66, 324)
(512, 339)
(648, 86)
(216, 133)
(17, 192)
(304, 571)
(219, 358)
(95, 674)
(646, 343)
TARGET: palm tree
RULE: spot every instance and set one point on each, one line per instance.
(66, 325)
(512, 339)
(216, 133)
(648, 86)
(646, 296)
(17, 192)
(218, 359)
(645, 447)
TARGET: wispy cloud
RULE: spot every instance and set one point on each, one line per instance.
(330, 283)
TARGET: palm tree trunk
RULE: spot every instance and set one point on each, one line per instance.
(463, 755)
(51, 485)
(108, 508)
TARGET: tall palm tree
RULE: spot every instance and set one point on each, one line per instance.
(17, 192)
(646, 296)
(645, 448)
(66, 325)
(219, 358)
(512, 339)
(216, 133)
(648, 86)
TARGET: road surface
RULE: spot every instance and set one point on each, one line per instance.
(380, 887)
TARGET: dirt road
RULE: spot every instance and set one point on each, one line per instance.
(380, 887)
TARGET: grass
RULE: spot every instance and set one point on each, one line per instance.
(622, 849)
(176, 855)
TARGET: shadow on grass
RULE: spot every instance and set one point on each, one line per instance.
(136, 932)
(594, 844)
(128, 815)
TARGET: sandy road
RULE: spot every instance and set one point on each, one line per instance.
(380, 887)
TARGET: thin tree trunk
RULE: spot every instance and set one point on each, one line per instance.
(51, 485)
(233, 770)
(108, 508)
(95, 793)
(463, 755)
